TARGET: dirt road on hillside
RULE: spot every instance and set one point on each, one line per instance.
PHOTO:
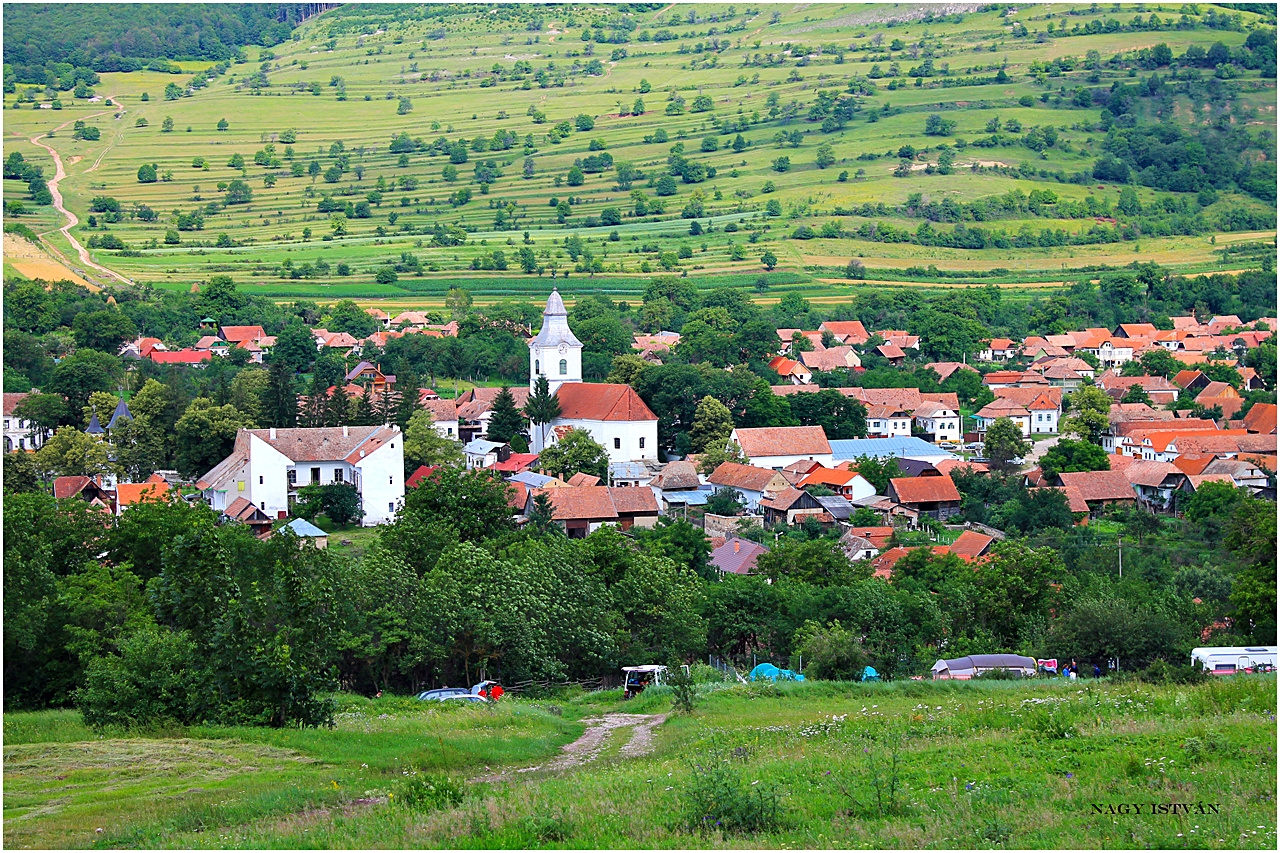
(72, 219)
(588, 747)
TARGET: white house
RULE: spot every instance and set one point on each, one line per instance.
(1043, 405)
(482, 453)
(444, 416)
(778, 447)
(887, 421)
(752, 484)
(1003, 407)
(268, 466)
(19, 434)
(614, 415)
(938, 422)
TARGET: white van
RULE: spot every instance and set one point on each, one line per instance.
(1224, 660)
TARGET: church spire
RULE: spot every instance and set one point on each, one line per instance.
(556, 352)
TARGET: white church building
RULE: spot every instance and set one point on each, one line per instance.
(614, 415)
(268, 466)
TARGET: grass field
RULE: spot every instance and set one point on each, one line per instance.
(340, 80)
(978, 765)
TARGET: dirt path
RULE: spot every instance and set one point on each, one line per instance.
(72, 219)
(588, 747)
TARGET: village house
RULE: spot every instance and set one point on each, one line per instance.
(938, 423)
(19, 434)
(792, 506)
(752, 484)
(1260, 419)
(268, 466)
(888, 421)
(777, 447)
(1043, 405)
(849, 485)
(582, 510)
(850, 332)
(792, 371)
(935, 497)
(1160, 390)
(1003, 408)
(1100, 489)
(832, 358)
(365, 373)
(155, 488)
(999, 349)
(736, 556)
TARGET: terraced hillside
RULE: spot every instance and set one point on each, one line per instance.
(389, 152)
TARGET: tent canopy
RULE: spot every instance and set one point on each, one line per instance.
(771, 672)
(971, 665)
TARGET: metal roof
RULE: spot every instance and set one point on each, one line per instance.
(900, 446)
(532, 479)
(302, 527)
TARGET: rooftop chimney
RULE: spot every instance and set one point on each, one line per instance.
(737, 546)
(273, 433)
(344, 432)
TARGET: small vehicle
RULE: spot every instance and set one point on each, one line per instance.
(466, 697)
(636, 678)
(486, 691)
(443, 693)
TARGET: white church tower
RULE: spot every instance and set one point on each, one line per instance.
(555, 353)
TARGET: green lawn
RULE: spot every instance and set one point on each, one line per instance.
(978, 765)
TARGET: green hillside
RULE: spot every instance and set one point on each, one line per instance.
(382, 148)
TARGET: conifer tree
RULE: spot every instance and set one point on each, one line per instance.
(505, 422)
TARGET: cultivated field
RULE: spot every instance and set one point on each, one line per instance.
(473, 75)
(823, 764)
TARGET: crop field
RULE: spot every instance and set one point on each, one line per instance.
(1050, 764)
(500, 107)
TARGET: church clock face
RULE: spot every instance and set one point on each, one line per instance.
(564, 348)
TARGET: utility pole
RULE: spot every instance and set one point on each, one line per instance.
(1120, 554)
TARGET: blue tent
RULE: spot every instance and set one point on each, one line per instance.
(771, 672)
(870, 674)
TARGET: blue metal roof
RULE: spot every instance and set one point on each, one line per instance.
(627, 470)
(532, 479)
(302, 527)
(900, 446)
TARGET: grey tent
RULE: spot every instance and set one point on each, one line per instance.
(972, 665)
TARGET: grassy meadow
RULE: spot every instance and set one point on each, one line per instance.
(822, 764)
(341, 78)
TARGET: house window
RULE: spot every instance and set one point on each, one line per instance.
(239, 485)
(537, 366)
(337, 475)
(564, 367)
(264, 505)
(259, 479)
(315, 476)
(293, 477)
(641, 442)
(391, 507)
(617, 444)
(6, 424)
(391, 481)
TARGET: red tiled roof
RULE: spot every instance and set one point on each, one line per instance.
(1100, 485)
(877, 536)
(12, 400)
(242, 334)
(68, 487)
(850, 331)
(632, 500)
(739, 476)
(581, 503)
(128, 494)
(971, 544)
(517, 462)
(581, 479)
(1002, 377)
(423, 472)
(602, 402)
(916, 490)
(1260, 419)
(783, 441)
(828, 477)
(737, 556)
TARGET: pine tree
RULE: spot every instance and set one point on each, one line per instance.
(408, 403)
(388, 407)
(541, 520)
(505, 422)
(335, 407)
(365, 415)
(281, 398)
(542, 407)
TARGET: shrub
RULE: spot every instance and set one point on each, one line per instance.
(683, 692)
(155, 681)
(719, 797)
(425, 792)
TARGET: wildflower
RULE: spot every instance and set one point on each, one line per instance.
(1070, 776)
(968, 786)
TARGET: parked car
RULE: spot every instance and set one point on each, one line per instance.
(443, 693)
(466, 697)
